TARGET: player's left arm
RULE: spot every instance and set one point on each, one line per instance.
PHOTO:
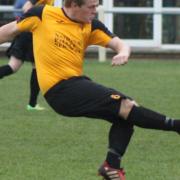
(8, 32)
(100, 35)
(122, 50)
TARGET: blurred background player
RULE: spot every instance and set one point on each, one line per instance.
(21, 50)
(18, 4)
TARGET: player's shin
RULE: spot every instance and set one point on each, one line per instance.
(147, 118)
(5, 70)
(119, 138)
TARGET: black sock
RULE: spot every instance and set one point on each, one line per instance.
(5, 70)
(146, 118)
(34, 88)
(119, 137)
(113, 159)
(177, 126)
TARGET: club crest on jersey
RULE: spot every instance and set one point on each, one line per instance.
(115, 96)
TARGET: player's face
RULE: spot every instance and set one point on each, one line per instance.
(87, 12)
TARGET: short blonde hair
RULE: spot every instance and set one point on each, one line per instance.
(67, 3)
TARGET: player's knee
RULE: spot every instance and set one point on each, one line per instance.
(125, 108)
(15, 69)
(15, 64)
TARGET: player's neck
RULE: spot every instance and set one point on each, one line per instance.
(70, 14)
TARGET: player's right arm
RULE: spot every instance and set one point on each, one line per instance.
(28, 22)
(9, 31)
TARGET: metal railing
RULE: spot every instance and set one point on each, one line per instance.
(131, 10)
(7, 8)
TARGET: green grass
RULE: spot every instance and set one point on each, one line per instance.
(47, 146)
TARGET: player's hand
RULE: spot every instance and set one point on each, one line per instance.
(120, 59)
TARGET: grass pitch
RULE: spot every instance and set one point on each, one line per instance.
(47, 146)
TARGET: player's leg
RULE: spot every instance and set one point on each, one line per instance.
(17, 53)
(34, 88)
(34, 85)
(119, 137)
(14, 62)
(146, 118)
(120, 134)
(34, 92)
(82, 97)
(5, 70)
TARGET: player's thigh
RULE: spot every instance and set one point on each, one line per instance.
(83, 97)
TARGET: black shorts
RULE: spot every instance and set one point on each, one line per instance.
(21, 47)
(80, 96)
